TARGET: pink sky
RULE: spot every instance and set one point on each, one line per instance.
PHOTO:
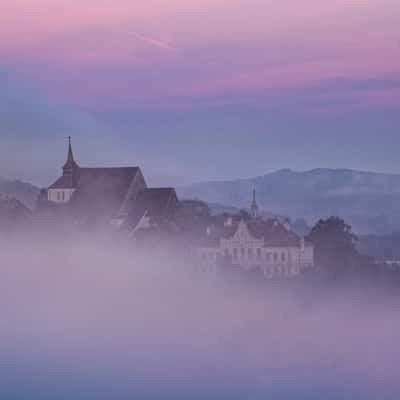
(157, 49)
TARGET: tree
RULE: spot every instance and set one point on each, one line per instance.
(334, 245)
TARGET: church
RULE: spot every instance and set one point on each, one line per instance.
(118, 196)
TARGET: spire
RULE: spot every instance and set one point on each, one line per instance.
(70, 166)
(254, 206)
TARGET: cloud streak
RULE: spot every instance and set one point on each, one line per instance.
(154, 42)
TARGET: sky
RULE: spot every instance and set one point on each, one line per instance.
(194, 90)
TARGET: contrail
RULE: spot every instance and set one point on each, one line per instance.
(153, 42)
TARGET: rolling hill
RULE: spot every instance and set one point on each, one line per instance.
(25, 192)
(369, 201)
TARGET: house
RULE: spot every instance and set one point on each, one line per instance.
(118, 195)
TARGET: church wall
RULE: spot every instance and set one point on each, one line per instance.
(60, 195)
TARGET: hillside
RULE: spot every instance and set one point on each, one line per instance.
(369, 201)
(26, 193)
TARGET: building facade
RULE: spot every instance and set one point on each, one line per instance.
(267, 245)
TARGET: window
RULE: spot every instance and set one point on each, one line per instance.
(259, 254)
(63, 195)
(250, 253)
(242, 252)
(268, 256)
(283, 257)
(226, 253)
(58, 196)
(275, 257)
(235, 253)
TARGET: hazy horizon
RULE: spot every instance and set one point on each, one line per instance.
(228, 179)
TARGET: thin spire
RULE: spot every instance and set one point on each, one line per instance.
(254, 206)
(70, 166)
(70, 153)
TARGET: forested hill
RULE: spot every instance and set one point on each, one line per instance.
(25, 192)
(369, 201)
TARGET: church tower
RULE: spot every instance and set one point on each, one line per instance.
(254, 206)
(70, 168)
(63, 188)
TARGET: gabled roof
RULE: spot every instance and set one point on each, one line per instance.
(102, 189)
(64, 182)
(272, 232)
(156, 203)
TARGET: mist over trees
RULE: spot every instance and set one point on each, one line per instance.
(338, 259)
(334, 244)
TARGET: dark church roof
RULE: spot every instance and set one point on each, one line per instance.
(64, 182)
(102, 190)
(157, 203)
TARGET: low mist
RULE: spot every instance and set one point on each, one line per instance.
(87, 317)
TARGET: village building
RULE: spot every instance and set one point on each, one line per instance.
(118, 196)
(267, 245)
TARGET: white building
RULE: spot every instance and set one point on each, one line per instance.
(264, 244)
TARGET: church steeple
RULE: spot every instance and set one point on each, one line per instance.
(70, 167)
(254, 206)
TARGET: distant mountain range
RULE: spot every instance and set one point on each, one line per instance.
(369, 201)
(26, 193)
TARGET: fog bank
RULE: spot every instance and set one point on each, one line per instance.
(85, 317)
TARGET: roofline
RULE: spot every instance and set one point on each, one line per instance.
(130, 167)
